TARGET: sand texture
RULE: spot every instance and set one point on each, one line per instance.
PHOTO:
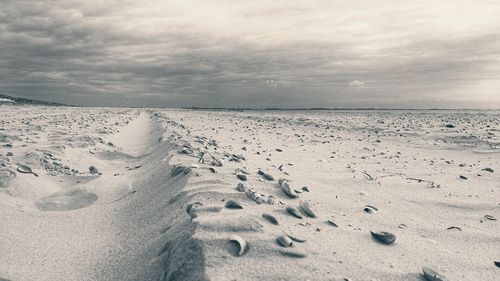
(171, 194)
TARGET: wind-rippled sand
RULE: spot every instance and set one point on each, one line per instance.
(156, 194)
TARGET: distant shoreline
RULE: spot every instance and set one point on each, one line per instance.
(15, 101)
(336, 109)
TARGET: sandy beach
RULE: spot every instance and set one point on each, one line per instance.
(219, 140)
(172, 194)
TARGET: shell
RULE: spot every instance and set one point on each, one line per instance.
(185, 150)
(93, 170)
(242, 170)
(241, 187)
(490, 217)
(241, 177)
(431, 275)
(369, 210)
(295, 237)
(284, 241)
(294, 253)
(271, 200)
(294, 212)
(272, 219)
(193, 205)
(209, 209)
(259, 199)
(241, 243)
(265, 175)
(497, 263)
(233, 204)
(190, 209)
(332, 222)
(287, 189)
(179, 169)
(304, 205)
(24, 169)
(250, 193)
(384, 237)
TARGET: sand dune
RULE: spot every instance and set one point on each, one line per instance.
(152, 194)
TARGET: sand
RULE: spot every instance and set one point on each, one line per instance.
(155, 204)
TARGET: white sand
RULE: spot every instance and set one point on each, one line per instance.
(129, 222)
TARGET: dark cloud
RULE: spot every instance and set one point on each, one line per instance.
(126, 53)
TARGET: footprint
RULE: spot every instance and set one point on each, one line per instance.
(6, 177)
(67, 200)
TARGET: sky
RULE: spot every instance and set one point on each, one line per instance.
(253, 54)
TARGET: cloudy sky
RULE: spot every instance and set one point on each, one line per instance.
(229, 53)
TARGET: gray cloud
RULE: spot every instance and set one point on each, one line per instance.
(226, 53)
